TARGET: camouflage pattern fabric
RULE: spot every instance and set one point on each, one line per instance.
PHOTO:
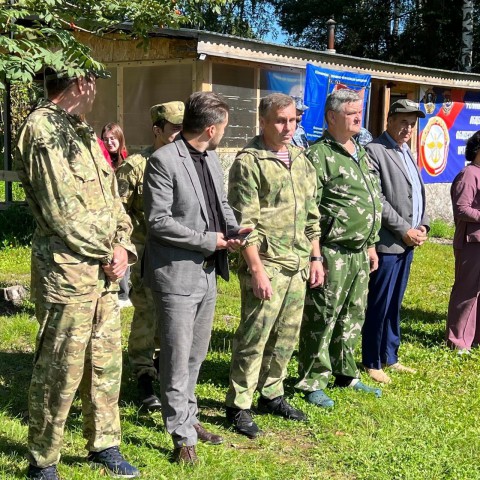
(143, 339)
(349, 203)
(348, 195)
(265, 339)
(78, 346)
(73, 195)
(279, 203)
(80, 219)
(130, 188)
(333, 319)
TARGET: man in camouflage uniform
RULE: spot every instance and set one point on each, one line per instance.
(80, 249)
(272, 189)
(167, 121)
(350, 209)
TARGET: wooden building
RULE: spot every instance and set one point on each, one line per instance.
(176, 63)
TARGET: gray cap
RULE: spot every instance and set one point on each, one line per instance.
(299, 105)
(405, 106)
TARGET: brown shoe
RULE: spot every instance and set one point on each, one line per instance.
(378, 375)
(206, 436)
(185, 455)
(398, 367)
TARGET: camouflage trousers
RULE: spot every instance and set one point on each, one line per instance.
(333, 319)
(265, 339)
(78, 347)
(144, 339)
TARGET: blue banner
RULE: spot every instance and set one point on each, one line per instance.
(452, 116)
(319, 83)
(284, 82)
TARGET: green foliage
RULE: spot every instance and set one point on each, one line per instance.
(243, 18)
(39, 33)
(441, 229)
(22, 98)
(426, 33)
(17, 191)
(18, 226)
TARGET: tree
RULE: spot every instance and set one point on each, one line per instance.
(418, 32)
(467, 36)
(39, 33)
(243, 18)
(364, 28)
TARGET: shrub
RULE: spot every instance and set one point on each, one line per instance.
(18, 226)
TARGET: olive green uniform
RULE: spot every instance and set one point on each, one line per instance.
(349, 203)
(73, 194)
(143, 339)
(279, 203)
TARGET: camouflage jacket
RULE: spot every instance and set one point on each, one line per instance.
(73, 195)
(348, 195)
(278, 202)
(130, 187)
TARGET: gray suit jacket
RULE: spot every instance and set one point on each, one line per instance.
(396, 195)
(178, 240)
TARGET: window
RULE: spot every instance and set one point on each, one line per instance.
(236, 85)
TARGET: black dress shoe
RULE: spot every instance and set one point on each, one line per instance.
(146, 393)
(279, 406)
(206, 436)
(243, 422)
(185, 455)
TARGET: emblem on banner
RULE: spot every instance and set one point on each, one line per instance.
(429, 100)
(447, 102)
(434, 146)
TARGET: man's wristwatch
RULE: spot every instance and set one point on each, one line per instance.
(316, 259)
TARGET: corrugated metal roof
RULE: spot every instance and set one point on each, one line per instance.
(228, 46)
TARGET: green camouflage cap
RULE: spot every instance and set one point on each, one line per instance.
(171, 112)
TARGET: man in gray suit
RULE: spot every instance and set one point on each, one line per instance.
(188, 219)
(404, 227)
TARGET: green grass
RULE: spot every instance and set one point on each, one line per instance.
(423, 428)
(441, 229)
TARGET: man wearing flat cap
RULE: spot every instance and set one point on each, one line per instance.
(404, 227)
(299, 137)
(167, 119)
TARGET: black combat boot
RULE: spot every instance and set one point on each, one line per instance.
(146, 393)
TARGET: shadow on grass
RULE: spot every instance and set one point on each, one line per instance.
(213, 412)
(9, 308)
(215, 371)
(128, 388)
(13, 449)
(16, 371)
(221, 341)
(426, 328)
